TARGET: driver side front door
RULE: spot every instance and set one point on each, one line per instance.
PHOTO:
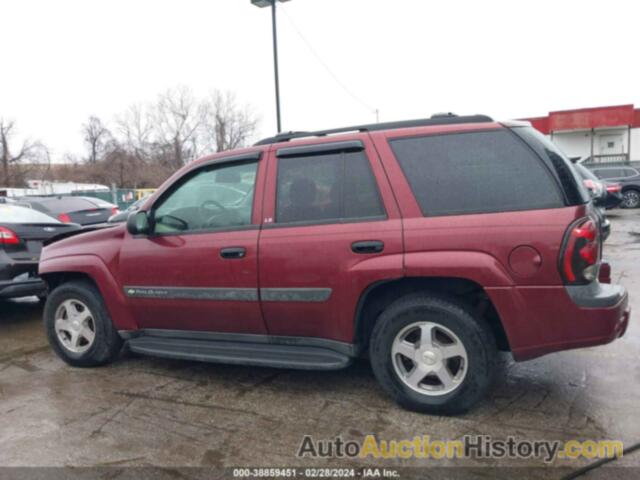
(198, 269)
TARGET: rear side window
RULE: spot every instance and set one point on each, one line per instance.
(475, 172)
(609, 173)
(324, 188)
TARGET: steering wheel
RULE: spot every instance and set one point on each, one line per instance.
(219, 209)
(178, 223)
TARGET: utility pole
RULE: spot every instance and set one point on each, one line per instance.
(274, 31)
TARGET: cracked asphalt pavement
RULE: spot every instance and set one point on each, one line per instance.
(168, 413)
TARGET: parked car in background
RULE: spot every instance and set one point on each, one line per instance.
(423, 245)
(629, 180)
(70, 209)
(606, 194)
(22, 231)
(98, 202)
(122, 216)
(600, 196)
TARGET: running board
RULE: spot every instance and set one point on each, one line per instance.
(240, 353)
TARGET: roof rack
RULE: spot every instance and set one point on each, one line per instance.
(436, 119)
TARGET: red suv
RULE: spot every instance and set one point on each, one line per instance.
(427, 245)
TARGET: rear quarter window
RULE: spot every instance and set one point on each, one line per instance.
(475, 172)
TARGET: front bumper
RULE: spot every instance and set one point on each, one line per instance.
(22, 288)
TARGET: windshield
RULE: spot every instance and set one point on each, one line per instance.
(13, 214)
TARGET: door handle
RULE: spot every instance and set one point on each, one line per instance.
(233, 252)
(367, 246)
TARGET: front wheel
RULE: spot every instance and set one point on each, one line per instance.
(432, 354)
(79, 327)
(631, 198)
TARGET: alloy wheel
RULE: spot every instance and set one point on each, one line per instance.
(429, 358)
(75, 326)
(631, 199)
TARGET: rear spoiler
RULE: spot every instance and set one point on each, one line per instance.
(64, 235)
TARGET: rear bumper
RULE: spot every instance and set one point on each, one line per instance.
(22, 288)
(597, 295)
(559, 318)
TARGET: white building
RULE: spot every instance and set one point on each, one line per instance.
(42, 187)
(602, 134)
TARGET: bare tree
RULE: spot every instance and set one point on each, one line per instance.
(150, 141)
(14, 161)
(96, 136)
(134, 129)
(231, 125)
(177, 119)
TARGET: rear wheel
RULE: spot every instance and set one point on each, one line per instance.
(631, 198)
(432, 354)
(79, 327)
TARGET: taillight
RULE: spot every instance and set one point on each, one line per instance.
(64, 218)
(594, 187)
(115, 211)
(590, 184)
(581, 252)
(614, 188)
(8, 237)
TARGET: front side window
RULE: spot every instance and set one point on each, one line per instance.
(475, 172)
(212, 198)
(325, 188)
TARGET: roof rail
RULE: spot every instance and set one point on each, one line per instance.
(437, 119)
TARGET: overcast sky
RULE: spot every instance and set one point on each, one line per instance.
(64, 60)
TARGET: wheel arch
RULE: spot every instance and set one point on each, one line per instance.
(90, 268)
(377, 296)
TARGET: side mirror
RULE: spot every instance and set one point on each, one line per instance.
(138, 223)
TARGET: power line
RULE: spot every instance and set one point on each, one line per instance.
(327, 68)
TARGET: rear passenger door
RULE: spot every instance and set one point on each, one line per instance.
(331, 228)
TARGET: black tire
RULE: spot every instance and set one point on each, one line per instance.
(473, 332)
(106, 344)
(631, 198)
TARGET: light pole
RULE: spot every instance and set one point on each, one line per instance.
(272, 4)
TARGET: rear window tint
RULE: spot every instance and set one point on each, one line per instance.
(323, 188)
(562, 168)
(99, 202)
(62, 205)
(475, 172)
